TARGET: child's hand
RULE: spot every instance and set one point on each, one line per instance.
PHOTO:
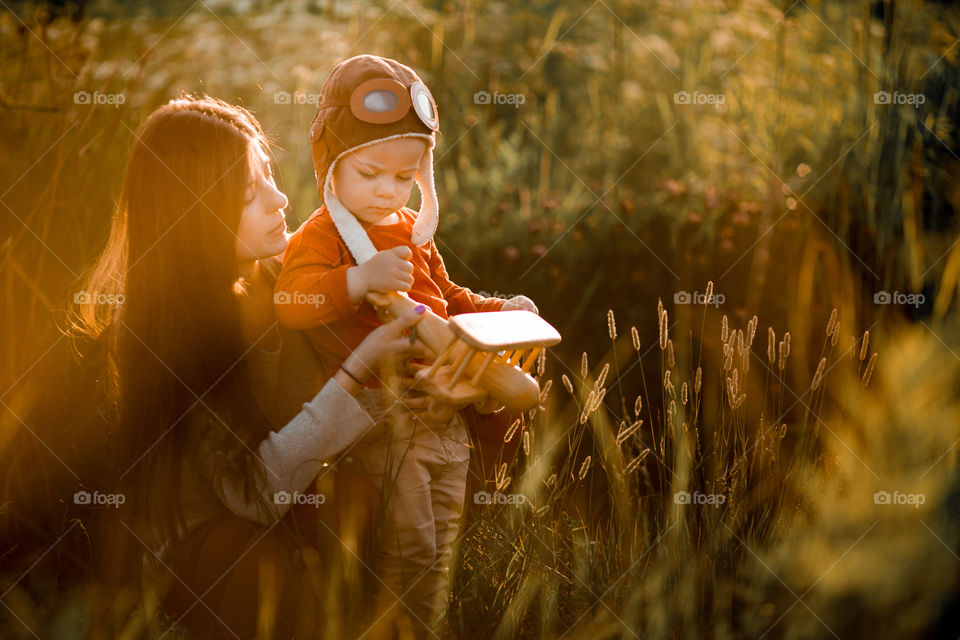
(522, 303)
(389, 270)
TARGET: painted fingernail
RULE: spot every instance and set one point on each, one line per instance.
(420, 308)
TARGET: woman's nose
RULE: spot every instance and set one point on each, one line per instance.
(280, 198)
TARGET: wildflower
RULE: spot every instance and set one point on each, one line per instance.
(784, 350)
(584, 468)
(818, 374)
(602, 377)
(635, 463)
(546, 391)
(508, 436)
(831, 324)
(870, 367)
(663, 330)
(627, 431)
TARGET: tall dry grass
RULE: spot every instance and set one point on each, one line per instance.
(598, 192)
(789, 540)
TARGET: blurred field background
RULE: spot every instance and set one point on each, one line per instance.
(793, 189)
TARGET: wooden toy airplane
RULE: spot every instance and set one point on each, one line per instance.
(482, 358)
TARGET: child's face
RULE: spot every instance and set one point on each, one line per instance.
(375, 181)
(262, 230)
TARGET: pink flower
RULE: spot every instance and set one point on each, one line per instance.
(711, 197)
(675, 188)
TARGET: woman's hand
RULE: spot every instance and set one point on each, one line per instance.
(384, 346)
(426, 409)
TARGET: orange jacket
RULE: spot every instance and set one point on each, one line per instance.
(311, 292)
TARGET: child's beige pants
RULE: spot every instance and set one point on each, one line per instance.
(423, 473)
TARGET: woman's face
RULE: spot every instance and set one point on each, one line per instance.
(263, 230)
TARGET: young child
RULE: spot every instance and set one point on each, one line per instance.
(372, 138)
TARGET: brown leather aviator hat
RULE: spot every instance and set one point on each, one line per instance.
(365, 100)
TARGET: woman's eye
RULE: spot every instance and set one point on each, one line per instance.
(367, 175)
(405, 178)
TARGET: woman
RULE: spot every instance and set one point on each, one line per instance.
(218, 455)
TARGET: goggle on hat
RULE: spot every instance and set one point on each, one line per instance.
(383, 100)
(368, 99)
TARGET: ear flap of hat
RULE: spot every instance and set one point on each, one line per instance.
(426, 223)
(319, 150)
(316, 128)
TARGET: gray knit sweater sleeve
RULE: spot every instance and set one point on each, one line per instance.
(291, 457)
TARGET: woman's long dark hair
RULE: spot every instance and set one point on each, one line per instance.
(173, 342)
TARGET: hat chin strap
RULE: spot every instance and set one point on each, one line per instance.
(353, 233)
